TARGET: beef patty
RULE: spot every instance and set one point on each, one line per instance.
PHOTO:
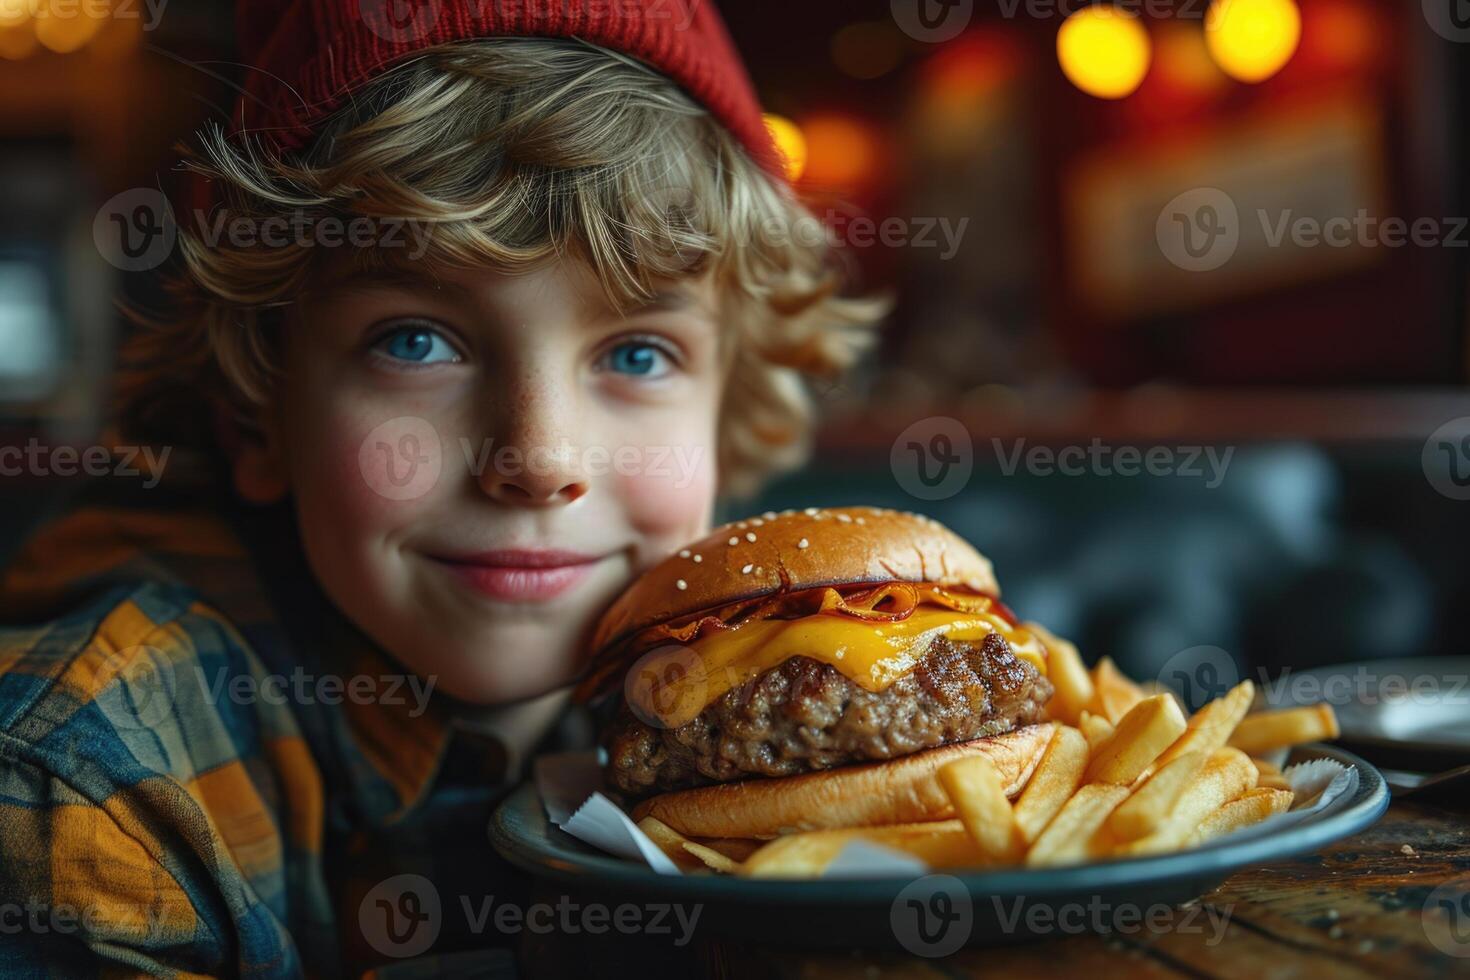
(803, 715)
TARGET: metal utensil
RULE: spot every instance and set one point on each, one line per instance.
(1403, 783)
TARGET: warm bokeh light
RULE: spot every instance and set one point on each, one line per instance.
(969, 68)
(1252, 39)
(65, 34)
(790, 141)
(16, 12)
(841, 151)
(27, 25)
(1104, 51)
(868, 48)
(1341, 34)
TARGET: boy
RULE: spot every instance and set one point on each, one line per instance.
(246, 716)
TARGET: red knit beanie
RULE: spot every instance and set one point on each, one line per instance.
(306, 56)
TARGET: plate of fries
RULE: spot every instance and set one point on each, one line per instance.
(1132, 801)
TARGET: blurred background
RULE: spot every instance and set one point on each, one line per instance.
(1181, 329)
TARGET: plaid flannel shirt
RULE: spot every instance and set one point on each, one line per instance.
(206, 771)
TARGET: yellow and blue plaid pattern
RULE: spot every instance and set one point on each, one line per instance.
(151, 823)
(141, 839)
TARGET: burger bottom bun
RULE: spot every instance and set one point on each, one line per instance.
(872, 794)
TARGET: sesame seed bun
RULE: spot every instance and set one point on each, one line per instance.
(860, 768)
(796, 549)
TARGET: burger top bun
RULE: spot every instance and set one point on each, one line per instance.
(792, 550)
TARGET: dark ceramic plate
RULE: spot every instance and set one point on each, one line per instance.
(1404, 714)
(934, 913)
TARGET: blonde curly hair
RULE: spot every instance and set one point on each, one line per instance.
(516, 151)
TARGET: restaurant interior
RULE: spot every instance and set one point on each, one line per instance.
(1107, 230)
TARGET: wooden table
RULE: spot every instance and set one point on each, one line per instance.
(1354, 910)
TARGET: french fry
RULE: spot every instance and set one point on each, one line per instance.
(1113, 694)
(1056, 778)
(1068, 675)
(980, 800)
(801, 855)
(939, 844)
(1269, 774)
(1210, 726)
(1282, 729)
(1132, 777)
(1150, 688)
(1096, 729)
(1152, 802)
(1066, 839)
(712, 858)
(1148, 728)
(1253, 807)
(671, 842)
(737, 849)
(1226, 775)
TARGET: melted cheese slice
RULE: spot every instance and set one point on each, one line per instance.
(675, 684)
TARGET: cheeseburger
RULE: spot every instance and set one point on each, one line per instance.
(813, 669)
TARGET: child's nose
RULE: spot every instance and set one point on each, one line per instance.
(528, 485)
(537, 463)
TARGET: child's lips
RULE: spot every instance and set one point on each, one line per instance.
(521, 575)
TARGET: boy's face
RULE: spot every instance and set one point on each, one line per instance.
(481, 462)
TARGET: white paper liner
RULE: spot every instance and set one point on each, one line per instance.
(864, 859)
(602, 824)
(566, 780)
(568, 784)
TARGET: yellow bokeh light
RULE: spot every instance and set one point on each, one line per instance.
(14, 13)
(1104, 51)
(1252, 39)
(66, 34)
(789, 140)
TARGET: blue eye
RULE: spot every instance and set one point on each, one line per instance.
(417, 345)
(638, 358)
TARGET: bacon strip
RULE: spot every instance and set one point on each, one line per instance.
(889, 602)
